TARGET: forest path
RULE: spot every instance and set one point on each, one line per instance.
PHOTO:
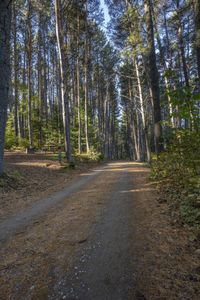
(79, 243)
(102, 267)
(16, 222)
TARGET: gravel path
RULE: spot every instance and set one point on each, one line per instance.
(102, 268)
(81, 238)
(105, 237)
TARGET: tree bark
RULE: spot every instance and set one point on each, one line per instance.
(154, 77)
(5, 27)
(163, 62)
(131, 117)
(40, 85)
(29, 57)
(181, 45)
(86, 83)
(16, 67)
(148, 151)
(63, 67)
(197, 33)
(78, 87)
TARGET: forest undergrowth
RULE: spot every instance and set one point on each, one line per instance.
(177, 172)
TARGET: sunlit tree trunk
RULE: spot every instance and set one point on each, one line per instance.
(144, 125)
(133, 124)
(78, 86)
(63, 67)
(40, 83)
(86, 83)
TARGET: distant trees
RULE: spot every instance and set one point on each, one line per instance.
(63, 81)
(158, 71)
(71, 86)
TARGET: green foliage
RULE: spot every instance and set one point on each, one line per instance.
(93, 155)
(179, 165)
(181, 161)
(23, 143)
(10, 136)
(54, 157)
(190, 210)
(185, 106)
(71, 165)
(178, 169)
(170, 73)
(10, 181)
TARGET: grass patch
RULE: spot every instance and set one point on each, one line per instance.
(10, 180)
(54, 157)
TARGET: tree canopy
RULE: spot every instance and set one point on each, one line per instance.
(126, 91)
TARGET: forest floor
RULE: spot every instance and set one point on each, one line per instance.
(107, 238)
(33, 177)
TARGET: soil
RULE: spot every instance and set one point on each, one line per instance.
(33, 177)
(109, 238)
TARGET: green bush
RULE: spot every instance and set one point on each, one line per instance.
(93, 155)
(23, 143)
(181, 161)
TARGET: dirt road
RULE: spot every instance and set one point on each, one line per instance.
(102, 238)
(102, 268)
(28, 215)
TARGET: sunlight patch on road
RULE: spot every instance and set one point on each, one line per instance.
(138, 190)
(138, 170)
(87, 174)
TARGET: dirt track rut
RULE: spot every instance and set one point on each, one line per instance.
(77, 244)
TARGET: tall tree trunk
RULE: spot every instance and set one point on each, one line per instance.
(22, 127)
(106, 125)
(181, 45)
(45, 72)
(163, 62)
(78, 86)
(29, 57)
(154, 77)
(148, 151)
(182, 52)
(40, 85)
(197, 33)
(5, 27)
(133, 124)
(63, 67)
(86, 83)
(16, 66)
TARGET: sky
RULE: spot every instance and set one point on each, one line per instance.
(105, 10)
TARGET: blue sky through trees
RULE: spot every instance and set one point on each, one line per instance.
(105, 10)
